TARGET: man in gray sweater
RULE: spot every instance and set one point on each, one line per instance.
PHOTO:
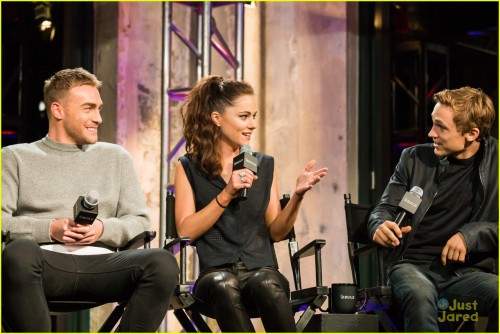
(40, 183)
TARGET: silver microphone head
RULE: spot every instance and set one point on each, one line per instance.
(417, 191)
(245, 149)
(91, 199)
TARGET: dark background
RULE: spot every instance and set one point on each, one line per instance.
(29, 57)
(408, 52)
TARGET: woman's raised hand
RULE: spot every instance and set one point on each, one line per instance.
(308, 178)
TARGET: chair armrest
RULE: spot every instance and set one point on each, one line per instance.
(309, 249)
(141, 240)
(308, 293)
(312, 248)
(365, 249)
(182, 241)
(381, 291)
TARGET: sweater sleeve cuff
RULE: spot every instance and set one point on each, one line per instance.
(41, 231)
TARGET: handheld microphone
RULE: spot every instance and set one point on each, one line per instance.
(245, 160)
(85, 209)
(409, 203)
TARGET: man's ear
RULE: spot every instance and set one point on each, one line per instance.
(216, 118)
(472, 134)
(56, 110)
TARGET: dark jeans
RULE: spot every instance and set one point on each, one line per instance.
(234, 292)
(416, 288)
(32, 276)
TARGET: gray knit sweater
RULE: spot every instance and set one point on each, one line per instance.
(42, 180)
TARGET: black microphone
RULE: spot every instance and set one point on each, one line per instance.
(409, 203)
(245, 160)
(85, 209)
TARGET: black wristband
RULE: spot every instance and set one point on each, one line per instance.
(217, 200)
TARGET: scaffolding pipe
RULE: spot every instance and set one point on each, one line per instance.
(239, 37)
(207, 36)
(220, 46)
(165, 118)
(199, 42)
(185, 40)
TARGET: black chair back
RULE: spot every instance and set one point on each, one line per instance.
(359, 243)
(357, 221)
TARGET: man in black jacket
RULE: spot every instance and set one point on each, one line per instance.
(445, 256)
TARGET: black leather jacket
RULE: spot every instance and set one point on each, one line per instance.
(419, 166)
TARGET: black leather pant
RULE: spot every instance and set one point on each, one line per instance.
(30, 276)
(235, 294)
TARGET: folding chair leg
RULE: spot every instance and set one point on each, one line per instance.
(113, 318)
(304, 319)
(309, 312)
(185, 321)
(200, 323)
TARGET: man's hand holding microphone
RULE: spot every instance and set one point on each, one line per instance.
(84, 228)
(389, 233)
